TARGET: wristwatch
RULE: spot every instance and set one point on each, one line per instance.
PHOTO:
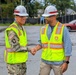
(66, 62)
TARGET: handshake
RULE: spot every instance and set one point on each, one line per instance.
(35, 49)
(31, 50)
(26, 49)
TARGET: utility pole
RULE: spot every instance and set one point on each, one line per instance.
(0, 1)
(21, 2)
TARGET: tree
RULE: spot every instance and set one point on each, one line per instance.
(32, 8)
(60, 4)
(7, 10)
(2, 1)
(26, 2)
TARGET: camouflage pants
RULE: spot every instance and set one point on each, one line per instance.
(16, 69)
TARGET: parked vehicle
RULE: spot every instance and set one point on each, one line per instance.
(71, 25)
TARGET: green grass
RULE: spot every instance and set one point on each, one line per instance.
(4, 24)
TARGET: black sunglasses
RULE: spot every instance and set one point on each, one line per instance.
(49, 16)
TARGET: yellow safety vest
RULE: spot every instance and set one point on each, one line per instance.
(10, 56)
(52, 50)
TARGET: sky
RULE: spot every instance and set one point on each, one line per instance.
(75, 1)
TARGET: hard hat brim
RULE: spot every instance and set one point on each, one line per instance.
(47, 15)
(21, 14)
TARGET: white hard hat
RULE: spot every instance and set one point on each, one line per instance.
(49, 11)
(20, 10)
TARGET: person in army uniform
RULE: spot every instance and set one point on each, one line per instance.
(16, 52)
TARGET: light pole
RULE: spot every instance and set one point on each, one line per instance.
(21, 2)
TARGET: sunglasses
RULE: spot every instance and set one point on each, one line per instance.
(49, 16)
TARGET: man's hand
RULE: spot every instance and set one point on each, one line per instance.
(64, 67)
(33, 51)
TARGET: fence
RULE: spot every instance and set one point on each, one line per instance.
(63, 19)
(66, 18)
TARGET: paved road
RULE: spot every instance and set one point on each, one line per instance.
(33, 62)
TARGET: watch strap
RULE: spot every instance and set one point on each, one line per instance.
(66, 62)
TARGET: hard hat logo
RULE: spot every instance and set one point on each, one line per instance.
(53, 12)
(49, 11)
(15, 11)
(20, 10)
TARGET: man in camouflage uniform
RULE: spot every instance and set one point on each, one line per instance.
(16, 53)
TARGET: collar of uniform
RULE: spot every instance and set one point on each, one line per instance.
(20, 27)
(51, 26)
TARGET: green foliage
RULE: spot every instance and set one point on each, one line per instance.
(32, 8)
(7, 10)
(12, 1)
(7, 6)
(61, 4)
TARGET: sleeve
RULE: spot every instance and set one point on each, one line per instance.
(67, 42)
(13, 40)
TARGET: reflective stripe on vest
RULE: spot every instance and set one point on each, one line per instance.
(56, 46)
(58, 30)
(9, 50)
(43, 30)
(12, 50)
(53, 46)
(45, 45)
